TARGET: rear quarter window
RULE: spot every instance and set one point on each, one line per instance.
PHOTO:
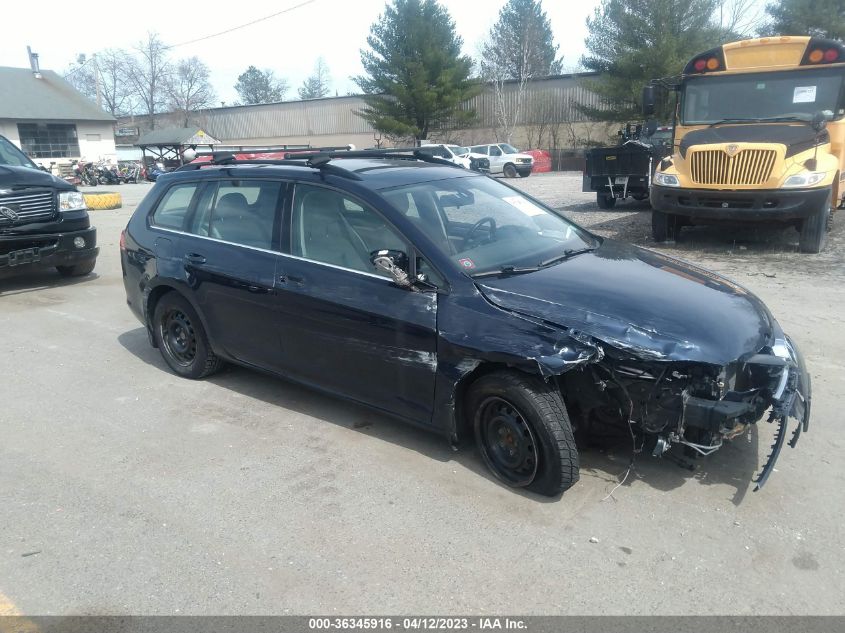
(172, 209)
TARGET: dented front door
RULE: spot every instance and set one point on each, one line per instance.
(358, 335)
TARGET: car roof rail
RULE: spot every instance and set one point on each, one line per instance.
(316, 160)
(395, 153)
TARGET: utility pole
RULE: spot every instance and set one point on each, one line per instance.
(97, 82)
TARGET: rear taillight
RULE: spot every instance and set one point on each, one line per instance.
(123, 240)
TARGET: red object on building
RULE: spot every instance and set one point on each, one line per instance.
(542, 160)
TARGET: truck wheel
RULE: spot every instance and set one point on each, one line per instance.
(509, 171)
(813, 231)
(664, 226)
(77, 270)
(605, 200)
(524, 174)
(181, 338)
(523, 432)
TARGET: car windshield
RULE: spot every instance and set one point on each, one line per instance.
(794, 93)
(485, 226)
(11, 155)
(508, 149)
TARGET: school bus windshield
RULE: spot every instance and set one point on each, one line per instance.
(791, 93)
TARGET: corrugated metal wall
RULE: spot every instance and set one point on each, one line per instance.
(549, 100)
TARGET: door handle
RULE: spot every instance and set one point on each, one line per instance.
(195, 258)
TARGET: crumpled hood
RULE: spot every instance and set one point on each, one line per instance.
(13, 176)
(633, 299)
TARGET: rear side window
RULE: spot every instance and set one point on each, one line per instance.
(173, 207)
(239, 211)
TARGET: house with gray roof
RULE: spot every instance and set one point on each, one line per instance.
(50, 120)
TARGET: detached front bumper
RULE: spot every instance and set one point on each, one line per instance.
(22, 252)
(751, 205)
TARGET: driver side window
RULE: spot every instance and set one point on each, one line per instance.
(495, 151)
(330, 227)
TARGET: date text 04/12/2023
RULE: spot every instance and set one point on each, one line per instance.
(417, 624)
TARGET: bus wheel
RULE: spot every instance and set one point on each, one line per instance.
(664, 226)
(605, 200)
(813, 232)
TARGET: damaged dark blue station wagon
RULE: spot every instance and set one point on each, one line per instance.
(454, 302)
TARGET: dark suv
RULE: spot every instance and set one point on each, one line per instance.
(43, 219)
(456, 303)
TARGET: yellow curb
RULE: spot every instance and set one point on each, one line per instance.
(103, 200)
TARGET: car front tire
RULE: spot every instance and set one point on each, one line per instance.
(664, 226)
(509, 171)
(181, 338)
(523, 432)
(77, 270)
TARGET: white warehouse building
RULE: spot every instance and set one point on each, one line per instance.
(51, 121)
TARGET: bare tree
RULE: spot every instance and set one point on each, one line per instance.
(148, 76)
(738, 18)
(113, 67)
(317, 85)
(188, 88)
(508, 94)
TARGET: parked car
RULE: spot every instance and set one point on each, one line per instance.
(43, 219)
(454, 302)
(453, 153)
(504, 159)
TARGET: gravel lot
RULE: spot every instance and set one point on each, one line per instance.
(127, 490)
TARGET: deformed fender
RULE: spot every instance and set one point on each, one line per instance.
(470, 340)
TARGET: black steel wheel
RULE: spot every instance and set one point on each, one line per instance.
(523, 432)
(507, 443)
(664, 226)
(181, 338)
(510, 171)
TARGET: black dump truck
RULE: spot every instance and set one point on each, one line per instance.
(615, 173)
(43, 219)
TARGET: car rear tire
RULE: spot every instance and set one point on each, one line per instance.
(509, 171)
(523, 432)
(524, 174)
(77, 270)
(181, 338)
(605, 200)
(664, 226)
(813, 231)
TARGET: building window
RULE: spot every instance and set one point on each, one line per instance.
(49, 140)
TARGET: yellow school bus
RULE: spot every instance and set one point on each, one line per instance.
(759, 136)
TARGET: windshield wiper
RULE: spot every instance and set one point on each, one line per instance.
(771, 119)
(506, 270)
(569, 252)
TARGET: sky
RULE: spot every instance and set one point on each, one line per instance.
(288, 44)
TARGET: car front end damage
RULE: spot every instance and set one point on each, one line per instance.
(697, 405)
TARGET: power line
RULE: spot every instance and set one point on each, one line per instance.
(235, 28)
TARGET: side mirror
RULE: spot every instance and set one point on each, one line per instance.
(648, 101)
(395, 264)
(820, 119)
(650, 127)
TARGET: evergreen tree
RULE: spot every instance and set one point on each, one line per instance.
(820, 18)
(416, 77)
(260, 86)
(521, 43)
(632, 42)
(317, 85)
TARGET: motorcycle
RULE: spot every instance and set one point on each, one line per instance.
(107, 174)
(84, 171)
(129, 172)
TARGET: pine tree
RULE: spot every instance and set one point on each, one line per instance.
(260, 86)
(317, 85)
(632, 42)
(416, 77)
(521, 43)
(820, 18)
